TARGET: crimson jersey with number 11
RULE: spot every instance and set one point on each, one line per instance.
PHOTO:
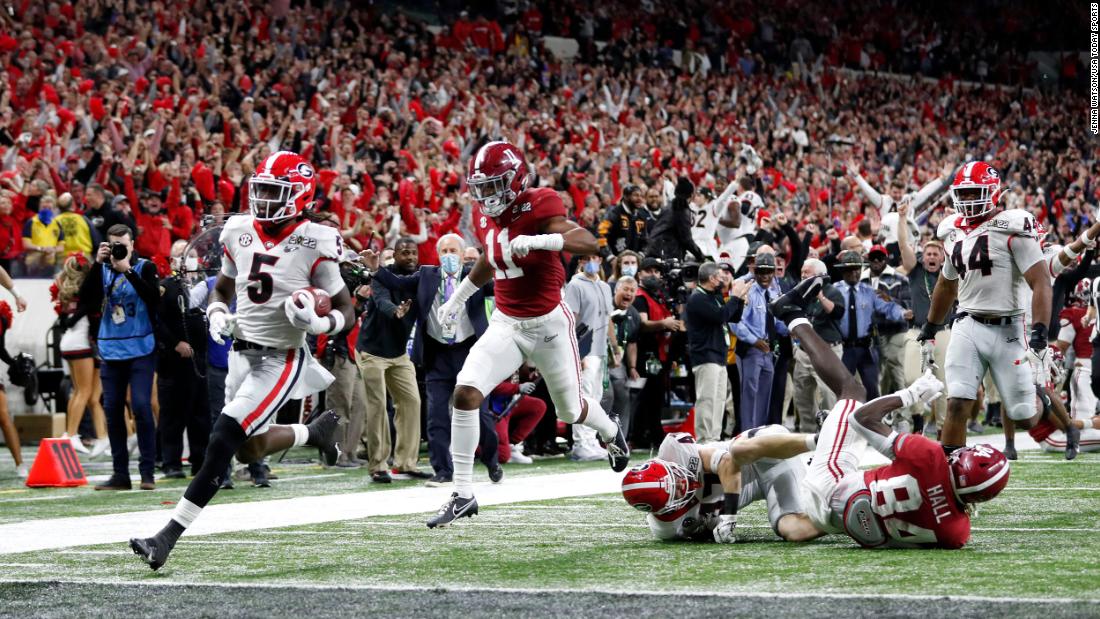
(914, 498)
(529, 286)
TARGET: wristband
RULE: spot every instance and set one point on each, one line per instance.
(552, 242)
(1089, 243)
(464, 291)
(1068, 251)
(338, 322)
(907, 397)
(216, 306)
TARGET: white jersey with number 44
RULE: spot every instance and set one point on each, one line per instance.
(989, 261)
(268, 269)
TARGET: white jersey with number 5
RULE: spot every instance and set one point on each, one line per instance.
(989, 262)
(268, 269)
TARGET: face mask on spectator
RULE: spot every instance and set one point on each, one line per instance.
(45, 216)
(469, 264)
(591, 267)
(450, 263)
(651, 282)
(630, 270)
(191, 263)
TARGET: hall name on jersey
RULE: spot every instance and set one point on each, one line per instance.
(305, 241)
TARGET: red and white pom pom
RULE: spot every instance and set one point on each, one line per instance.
(322, 302)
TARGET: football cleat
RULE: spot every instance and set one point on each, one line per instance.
(1073, 441)
(151, 550)
(322, 435)
(793, 304)
(618, 452)
(456, 507)
(1010, 451)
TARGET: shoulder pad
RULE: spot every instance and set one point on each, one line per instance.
(948, 228)
(329, 242)
(235, 225)
(1013, 221)
(752, 198)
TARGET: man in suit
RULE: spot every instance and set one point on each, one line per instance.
(441, 352)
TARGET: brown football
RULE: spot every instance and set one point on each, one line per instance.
(322, 302)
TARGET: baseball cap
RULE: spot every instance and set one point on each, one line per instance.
(649, 263)
(877, 249)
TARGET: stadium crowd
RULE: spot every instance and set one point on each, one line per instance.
(139, 123)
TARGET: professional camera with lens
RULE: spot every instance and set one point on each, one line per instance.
(118, 250)
(354, 274)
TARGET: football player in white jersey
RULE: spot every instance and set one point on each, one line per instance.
(988, 256)
(269, 255)
(737, 223)
(887, 203)
(693, 492)
(704, 219)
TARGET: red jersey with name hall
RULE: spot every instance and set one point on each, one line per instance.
(529, 286)
(914, 497)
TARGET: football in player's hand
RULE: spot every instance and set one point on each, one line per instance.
(322, 302)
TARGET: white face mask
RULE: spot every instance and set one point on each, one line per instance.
(191, 263)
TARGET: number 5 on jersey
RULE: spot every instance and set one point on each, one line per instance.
(261, 293)
(505, 268)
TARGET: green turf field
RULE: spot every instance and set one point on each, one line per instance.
(1038, 541)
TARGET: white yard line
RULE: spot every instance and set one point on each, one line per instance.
(613, 592)
(117, 528)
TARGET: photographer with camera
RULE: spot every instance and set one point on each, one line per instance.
(657, 326)
(708, 316)
(181, 372)
(124, 288)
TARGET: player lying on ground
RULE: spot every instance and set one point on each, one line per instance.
(269, 255)
(694, 492)
(523, 230)
(994, 260)
(921, 498)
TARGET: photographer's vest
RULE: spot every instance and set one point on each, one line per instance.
(657, 311)
(126, 329)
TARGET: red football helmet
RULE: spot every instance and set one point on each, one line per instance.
(976, 189)
(1082, 292)
(498, 173)
(659, 486)
(281, 187)
(979, 472)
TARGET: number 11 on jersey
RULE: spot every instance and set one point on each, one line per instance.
(510, 271)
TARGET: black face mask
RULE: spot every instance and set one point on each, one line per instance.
(651, 282)
(469, 264)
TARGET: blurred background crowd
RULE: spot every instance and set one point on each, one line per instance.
(152, 115)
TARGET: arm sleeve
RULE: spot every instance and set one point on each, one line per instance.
(872, 195)
(382, 299)
(146, 285)
(1066, 331)
(1025, 252)
(882, 444)
(889, 309)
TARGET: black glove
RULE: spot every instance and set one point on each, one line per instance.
(684, 188)
(1038, 341)
(928, 331)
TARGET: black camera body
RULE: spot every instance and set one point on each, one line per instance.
(354, 274)
(119, 250)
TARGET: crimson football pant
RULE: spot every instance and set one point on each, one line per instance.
(519, 423)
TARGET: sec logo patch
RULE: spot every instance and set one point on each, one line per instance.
(245, 239)
(484, 222)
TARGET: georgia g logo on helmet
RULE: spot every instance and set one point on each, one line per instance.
(976, 189)
(282, 187)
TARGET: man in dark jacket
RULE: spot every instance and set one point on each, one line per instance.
(708, 316)
(385, 366)
(624, 226)
(671, 238)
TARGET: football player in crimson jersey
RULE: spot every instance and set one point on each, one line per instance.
(523, 231)
(990, 255)
(917, 501)
(269, 255)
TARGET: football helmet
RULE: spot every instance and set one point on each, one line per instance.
(976, 189)
(659, 486)
(498, 173)
(281, 187)
(978, 472)
(1082, 292)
